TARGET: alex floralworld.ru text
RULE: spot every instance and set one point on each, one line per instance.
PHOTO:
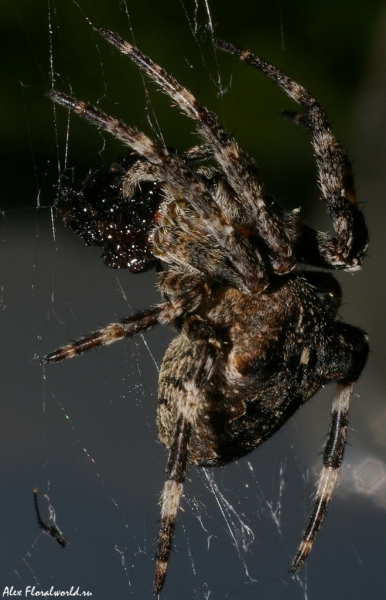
(11, 592)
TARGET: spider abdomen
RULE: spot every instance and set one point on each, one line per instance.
(276, 353)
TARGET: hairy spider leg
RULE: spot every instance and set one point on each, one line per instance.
(127, 327)
(261, 217)
(332, 460)
(334, 169)
(245, 258)
(198, 373)
(189, 298)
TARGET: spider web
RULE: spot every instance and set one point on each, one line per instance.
(84, 432)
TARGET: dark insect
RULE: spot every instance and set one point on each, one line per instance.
(257, 336)
(52, 530)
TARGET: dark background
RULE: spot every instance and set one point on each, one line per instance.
(84, 431)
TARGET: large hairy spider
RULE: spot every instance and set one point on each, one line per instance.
(256, 337)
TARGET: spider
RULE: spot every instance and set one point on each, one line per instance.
(257, 336)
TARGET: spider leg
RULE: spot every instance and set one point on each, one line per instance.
(334, 169)
(188, 300)
(189, 389)
(141, 171)
(198, 153)
(245, 259)
(128, 327)
(239, 168)
(332, 460)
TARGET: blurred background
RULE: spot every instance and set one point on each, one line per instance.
(84, 432)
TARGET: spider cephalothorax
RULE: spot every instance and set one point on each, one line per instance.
(256, 337)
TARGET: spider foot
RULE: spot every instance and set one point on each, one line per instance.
(300, 558)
